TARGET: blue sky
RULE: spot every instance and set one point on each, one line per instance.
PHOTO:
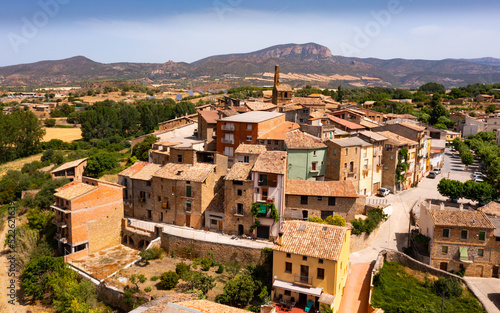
(158, 31)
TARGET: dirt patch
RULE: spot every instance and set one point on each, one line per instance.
(65, 134)
(420, 275)
(18, 164)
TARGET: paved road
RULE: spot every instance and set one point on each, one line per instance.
(357, 289)
(487, 290)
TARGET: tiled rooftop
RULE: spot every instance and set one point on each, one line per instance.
(239, 171)
(134, 168)
(398, 140)
(368, 124)
(341, 188)
(412, 126)
(252, 117)
(68, 165)
(283, 87)
(351, 142)
(279, 132)
(229, 112)
(300, 140)
(210, 116)
(250, 149)
(271, 162)
(146, 172)
(178, 171)
(373, 135)
(312, 239)
(307, 101)
(492, 208)
(73, 190)
(259, 106)
(460, 218)
(345, 123)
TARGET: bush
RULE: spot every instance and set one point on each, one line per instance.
(374, 217)
(448, 287)
(151, 254)
(47, 155)
(154, 278)
(169, 280)
(182, 268)
(206, 263)
(142, 278)
(148, 289)
(49, 122)
(220, 269)
(335, 220)
(199, 281)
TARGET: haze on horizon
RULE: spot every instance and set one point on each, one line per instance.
(157, 31)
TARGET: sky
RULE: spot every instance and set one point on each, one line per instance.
(157, 31)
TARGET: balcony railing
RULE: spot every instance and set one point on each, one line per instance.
(238, 212)
(228, 127)
(61, 224)
(301, 279)
(224, 140)
(60, 238)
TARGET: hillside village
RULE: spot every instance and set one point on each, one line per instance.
(310, 179)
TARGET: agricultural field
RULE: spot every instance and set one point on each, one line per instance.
(18, 164)
(65, 134)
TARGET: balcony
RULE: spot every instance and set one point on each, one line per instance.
(227, 127)
(230, 141)
(238, 212)
(61, 224)
(302, 280)
(61, 238)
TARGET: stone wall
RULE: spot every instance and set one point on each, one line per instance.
(223, 253)
(345, 207)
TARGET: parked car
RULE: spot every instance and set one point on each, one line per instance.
(432, 174)
(383, 192)
(437, 171)
(478, 180)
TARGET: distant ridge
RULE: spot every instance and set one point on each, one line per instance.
(300, 64)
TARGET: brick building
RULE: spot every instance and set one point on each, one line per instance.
(391, 157)
(71, 170)
(282, 94)
(88, 217)
(304, 199)
(461, 240)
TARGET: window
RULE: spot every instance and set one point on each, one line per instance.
(364, 152)
(464, 234)
(161, 216)
(188, 191)
(320, 261)
(444, 249)
(249, 126)
(446, 233)
(365, 164)
(334, 151)
(304, 258)
(246, 159)
(345, 151)
(288, 293)
(262, 180)
(159, 198)
(228, 151)
(303, 199)
(314, 166)
(480, 252)
(315, 153)
(288, 255)
(239, 192)
(249, 138)
(237, 182)
(320, 198)
(288, 267)
(148, 183)
(331, 201)
(321, 273)
(179, 158)
(150, 214)
(351, 167)
(239, 208)
(188, 206)
(482, 236)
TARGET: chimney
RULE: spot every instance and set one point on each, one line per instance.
(461, 207)
(441, 206)
(276, 75)
(280, 238)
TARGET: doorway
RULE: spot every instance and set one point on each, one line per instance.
(188, 220)
(220, 226)
(302, 298)
(240, 230)
(443, 266)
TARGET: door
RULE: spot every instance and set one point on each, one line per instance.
(220, 226)
(302, 298)
(443, 266)
(188, 220)
(376, 187)
(304, 274)
(240, 230)
(263, 232)
(495, 271)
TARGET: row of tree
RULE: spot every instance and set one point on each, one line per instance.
(481, 192)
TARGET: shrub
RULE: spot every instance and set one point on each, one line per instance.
(151, 254)
(448, 287)
(182, 268)
(169, 280)
(148, 289)
(154, 278)
(335, 220)
(142, 278)
(49, 122)
(206, 263)
(220, 269)
(199, 281)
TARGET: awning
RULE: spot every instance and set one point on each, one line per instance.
(464, 256)
(326, 298)
(313, 291)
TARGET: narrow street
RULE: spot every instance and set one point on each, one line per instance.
(393, 234)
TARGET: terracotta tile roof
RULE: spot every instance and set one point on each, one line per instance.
(73, 190)
(178, 171)
(279, 132)
(340, 188)
(300, 140)
(292, 107)
(271, 162)
(404, 116)
(396, 139)
(226, 113)
(312, 239)
(351, 111)
(250, 149)
(68, 165)
(134, 168)
(259, 106)
(239, 171)
(146, 172)
(351, 142)
(373, 135)
(205, 306)
(345, 123)
(284, 87)
(306, 101)
(492, 208)
(412, 126)
(457, 218)
(209, 116)
(368, 124)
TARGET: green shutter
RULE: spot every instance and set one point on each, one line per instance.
(464, 256)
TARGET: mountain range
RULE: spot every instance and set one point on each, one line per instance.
(300, 64)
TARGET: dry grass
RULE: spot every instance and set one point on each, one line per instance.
(65, 134)
(17, 165)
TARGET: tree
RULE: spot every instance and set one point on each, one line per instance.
(432, 87)
(467, 158)
(45, 197)
(490, 108)
(98, 163)
(141, 150)
(36, 275)
(49, 122)
(335, 220)
(169, 280)
(453, 189)
(438, 111)
(238, 291)
(27, 132)
(199, 281)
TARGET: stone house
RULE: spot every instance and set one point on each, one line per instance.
(71, 170)
(282, 94)
(492, 211)
(305, 199)
(207, 128)
(391, 157)
(306, 156)
(351, 159)
(138, 199)
(378, 142)
(275, 138)
(460, 240)
(88, 217)
(345, 125)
